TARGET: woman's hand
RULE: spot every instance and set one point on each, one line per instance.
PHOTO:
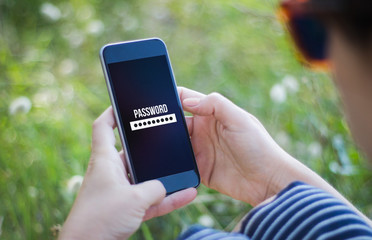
(235, 154)
(108, 206)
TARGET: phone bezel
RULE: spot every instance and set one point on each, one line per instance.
(132, 50)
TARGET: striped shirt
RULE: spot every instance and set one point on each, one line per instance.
(300, 211)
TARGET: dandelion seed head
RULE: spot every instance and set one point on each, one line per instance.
(74, 183)
(50, 11)
(290, 83)
(206, 220)
(67, 66)
(20, 105)
(95, 27)
(315, 149)
(278, 93)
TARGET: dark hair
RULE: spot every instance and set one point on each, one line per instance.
(352, 17)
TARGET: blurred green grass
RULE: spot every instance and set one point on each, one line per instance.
(49, 54)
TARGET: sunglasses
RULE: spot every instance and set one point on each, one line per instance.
(308, 32)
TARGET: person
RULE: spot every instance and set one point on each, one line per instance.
(236, 155)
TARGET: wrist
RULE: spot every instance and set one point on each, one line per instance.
(286, 170)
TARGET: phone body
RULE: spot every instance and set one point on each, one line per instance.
(149, 114)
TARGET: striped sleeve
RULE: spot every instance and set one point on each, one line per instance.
(198, 232)
(301, 211)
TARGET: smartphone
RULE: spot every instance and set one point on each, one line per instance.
(149, 113)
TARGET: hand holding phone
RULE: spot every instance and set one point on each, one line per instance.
(108, 206)
(149, 114)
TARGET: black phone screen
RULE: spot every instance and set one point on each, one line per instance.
(151, 117)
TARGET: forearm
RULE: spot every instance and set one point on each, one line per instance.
(296, 171)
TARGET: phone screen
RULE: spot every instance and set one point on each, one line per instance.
(151, 117)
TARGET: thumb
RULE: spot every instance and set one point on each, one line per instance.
(152, 192)
(215, 105)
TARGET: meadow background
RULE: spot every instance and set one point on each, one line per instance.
(52, 88)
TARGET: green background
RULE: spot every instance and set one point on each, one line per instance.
(49, 54)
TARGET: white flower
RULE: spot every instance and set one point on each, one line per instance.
(20, 105)
(315, 149)
(206, 220)
(278, 93)
(67, 66)
(344, 166)
(323, 130)
(74, 183)
(220, 207)
(50, 11)
(290, 83)
(95, 27)
(347, 170)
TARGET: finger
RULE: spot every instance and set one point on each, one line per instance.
(103, 134)
(188, 93)
(190, 124)
(171, 203)
(152, 192)
(216, 105)
(105, 158)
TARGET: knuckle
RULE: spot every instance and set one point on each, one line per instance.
(215, 97)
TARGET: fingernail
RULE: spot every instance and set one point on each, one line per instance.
(191, 102)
